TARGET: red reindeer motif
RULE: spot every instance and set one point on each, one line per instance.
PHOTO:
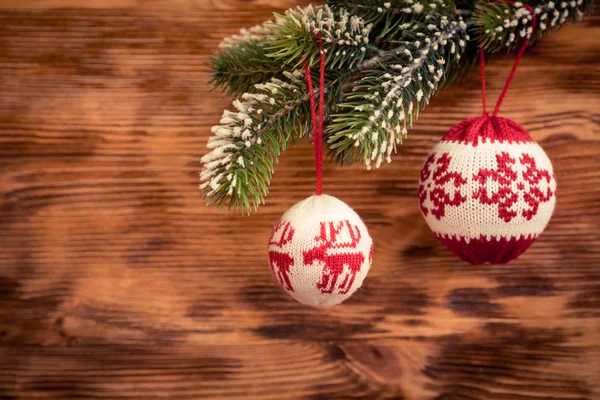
(334, 262)
(283, 261)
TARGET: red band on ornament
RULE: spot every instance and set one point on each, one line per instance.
(495, 250)
(317, 125)
(487, 129)
(515, 65)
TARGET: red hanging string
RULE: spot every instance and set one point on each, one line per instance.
(514, 67)
(317, 125)
(481, 61)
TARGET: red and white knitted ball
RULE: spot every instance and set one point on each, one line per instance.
(320, 251)
(487, 190)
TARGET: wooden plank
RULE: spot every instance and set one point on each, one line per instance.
(116, 281)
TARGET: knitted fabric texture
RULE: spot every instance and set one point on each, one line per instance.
(320, 251)
(487, 190)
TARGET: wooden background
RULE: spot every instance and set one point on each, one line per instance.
(116, 281)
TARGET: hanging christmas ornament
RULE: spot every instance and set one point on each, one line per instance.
(320, 250)
(487, 190)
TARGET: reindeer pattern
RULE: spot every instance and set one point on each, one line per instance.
(281, 262)
(336, 256)
(330, 257)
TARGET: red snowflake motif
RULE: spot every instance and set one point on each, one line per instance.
(507, 195)
(280, 261)
(334, 262)
(433, 186)
(505, 176)
(534, 176)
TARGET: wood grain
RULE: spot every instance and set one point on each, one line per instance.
(116, 281)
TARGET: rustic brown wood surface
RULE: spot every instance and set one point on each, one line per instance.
(116, 280)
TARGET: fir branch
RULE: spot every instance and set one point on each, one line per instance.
(501, 25)
(255, 33)
(388, 17)
(346, 38)
(393, 55)
(237, 68)
(552, 16)
(373, 11)
(248, 142)
(387, 99)
(242, 62)
(393, 12)
(264, 51)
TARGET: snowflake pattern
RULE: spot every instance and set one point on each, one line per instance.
(435, 178)
(534, 187)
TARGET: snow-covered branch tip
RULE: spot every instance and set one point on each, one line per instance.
(345, 36)
(501, 25)
(386, 100)
(255, 33)
(248, 141)
(384, 60)
(377, 11)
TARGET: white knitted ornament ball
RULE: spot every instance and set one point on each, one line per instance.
(487, 190)
(320, 251)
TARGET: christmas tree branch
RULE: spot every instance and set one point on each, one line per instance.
(345, 37)
(384, 61)
(501, 25)
(248, 142)
(242, 62)
(265, 51)
(387, 16)
(385, 100)
(239, 67)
